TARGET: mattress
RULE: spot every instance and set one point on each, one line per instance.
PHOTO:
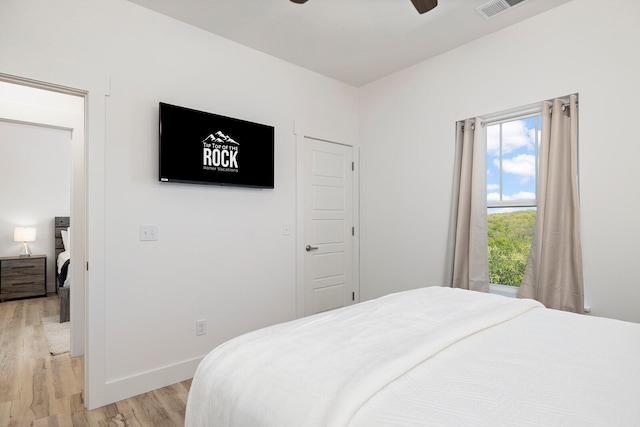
(431, 356)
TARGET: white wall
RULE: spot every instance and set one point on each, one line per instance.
(221, 254)
(35, 165)
(407, 144)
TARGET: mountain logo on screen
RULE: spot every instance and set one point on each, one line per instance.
(220, 138)
(220, 153)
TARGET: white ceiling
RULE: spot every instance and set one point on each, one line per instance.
(354, 41)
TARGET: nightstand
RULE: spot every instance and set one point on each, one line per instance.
(22, 277)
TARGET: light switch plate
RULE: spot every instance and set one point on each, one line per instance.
(148, 233)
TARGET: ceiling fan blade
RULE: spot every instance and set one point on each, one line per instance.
(423, 6)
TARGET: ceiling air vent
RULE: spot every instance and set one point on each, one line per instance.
(496, 7)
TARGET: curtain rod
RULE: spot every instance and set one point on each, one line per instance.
(532, 111)
(526, 112)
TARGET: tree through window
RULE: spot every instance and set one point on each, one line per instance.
(512, 169)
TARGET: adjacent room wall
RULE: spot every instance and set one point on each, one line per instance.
(221, 253)
(35, 169)
(407, 125)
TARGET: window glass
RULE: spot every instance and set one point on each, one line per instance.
(512, 169)
(510, 232)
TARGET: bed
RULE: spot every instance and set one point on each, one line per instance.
(62, 236)
(430, 356)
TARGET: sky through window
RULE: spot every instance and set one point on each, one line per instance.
(512, 150)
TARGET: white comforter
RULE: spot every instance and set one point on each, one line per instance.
(544, 368)
(324, 370)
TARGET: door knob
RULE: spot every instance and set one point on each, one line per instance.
(310, 248)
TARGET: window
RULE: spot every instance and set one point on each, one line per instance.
(512, 172)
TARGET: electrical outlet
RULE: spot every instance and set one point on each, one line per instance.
(286, 230)
(201, 327)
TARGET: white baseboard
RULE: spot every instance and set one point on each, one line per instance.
(127, 387)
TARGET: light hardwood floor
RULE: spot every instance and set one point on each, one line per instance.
(38, 389)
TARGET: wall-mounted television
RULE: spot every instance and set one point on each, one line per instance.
(205, 148)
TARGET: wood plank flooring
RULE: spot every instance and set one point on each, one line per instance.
(38, 389)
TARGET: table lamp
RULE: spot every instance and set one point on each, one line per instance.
(24, 235)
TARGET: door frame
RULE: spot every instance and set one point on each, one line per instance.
(301, 133)
(28, 69)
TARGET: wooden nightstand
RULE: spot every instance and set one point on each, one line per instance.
(22, 277)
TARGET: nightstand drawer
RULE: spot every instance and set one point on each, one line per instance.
(22, 268)
(22, 277)
(21, 287)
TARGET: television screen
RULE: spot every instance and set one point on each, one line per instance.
(205, 148)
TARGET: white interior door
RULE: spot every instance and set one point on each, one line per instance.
(328, 226)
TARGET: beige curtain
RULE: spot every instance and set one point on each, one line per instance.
(553, 274)
(469, 214)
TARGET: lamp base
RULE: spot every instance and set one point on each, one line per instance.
(24, 250)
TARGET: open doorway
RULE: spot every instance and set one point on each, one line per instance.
(93, 85)
(37, 111)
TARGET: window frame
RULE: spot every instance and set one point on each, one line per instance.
(513, 116)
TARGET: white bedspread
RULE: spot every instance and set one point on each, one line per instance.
(544, 368)
(320, 370)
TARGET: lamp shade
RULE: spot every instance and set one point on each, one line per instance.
(24, 234)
